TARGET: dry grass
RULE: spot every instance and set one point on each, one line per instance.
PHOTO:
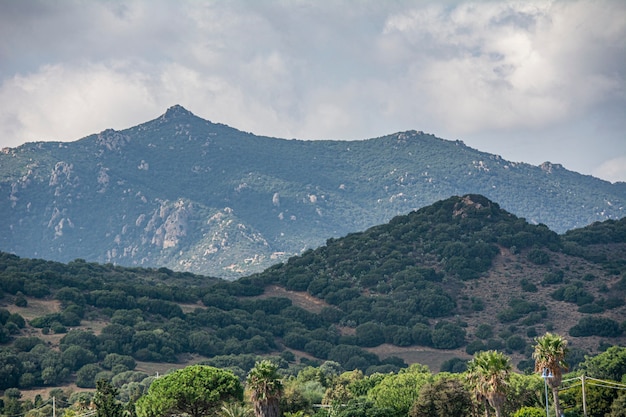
(300, 299)
(502, 284)
(35, 308)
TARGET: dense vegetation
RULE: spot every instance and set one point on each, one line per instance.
(272, 389)
(412, 282)
(188, 194)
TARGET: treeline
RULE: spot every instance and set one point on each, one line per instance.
(216, 388)
(228, 320)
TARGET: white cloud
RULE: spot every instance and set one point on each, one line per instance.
(310, 69)
(509, 65)
(612, 170)
(60, 103)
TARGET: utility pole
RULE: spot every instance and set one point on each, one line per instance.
(582, 378)
(54, 407)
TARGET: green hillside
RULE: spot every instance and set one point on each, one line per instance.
(443, 282)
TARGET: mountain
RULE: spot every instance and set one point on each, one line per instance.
(466, 260)
(192, 195)
(439, 284)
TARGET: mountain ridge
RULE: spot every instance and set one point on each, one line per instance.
(146, 195)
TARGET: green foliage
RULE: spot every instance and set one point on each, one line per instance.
(528, 286)
(399, 392)
(596, 326)
(196, 390)
(518, 308)
(516, 343)
(573, 293)
(609, 231)
(448, 336)
(398, 283)
(446, 397)
(618, 408)
(484, 331)
(538, 257)
(524, 391)
(610, 364)
(266, 388)
(105, 400)
(549, 354)
(86, 376)
(112, 360)
(553, 277)
(530, 412)
(454, 365)
(370, 335)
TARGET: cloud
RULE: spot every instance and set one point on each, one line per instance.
(60, 103)
(612, 170)
(502, 64)
(312, 70)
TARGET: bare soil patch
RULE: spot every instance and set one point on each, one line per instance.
(189, 308)
(433, 358)
(300, 299)
(36, 308)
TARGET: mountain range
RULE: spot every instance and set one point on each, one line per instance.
(184, 193)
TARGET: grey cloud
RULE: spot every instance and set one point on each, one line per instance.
(492, 73)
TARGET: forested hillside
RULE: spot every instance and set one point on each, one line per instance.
(456, 277)
(191, 195)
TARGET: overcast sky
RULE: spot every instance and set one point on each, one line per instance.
(532, 81)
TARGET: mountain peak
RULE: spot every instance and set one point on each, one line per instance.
(177, 111)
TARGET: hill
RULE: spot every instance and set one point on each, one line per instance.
(440, 283)
(192, 195)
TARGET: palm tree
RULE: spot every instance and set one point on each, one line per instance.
(266, 388)
(487, 374)
(235, 410)
(549, 356)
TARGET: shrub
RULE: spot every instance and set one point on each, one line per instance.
(422, 335)
(554, 277)
(529, 412)
(516, 343)
(85, 377)
(448, 336)
(528, 286)
(484, 331)
(475, 346)
(369, 335)
(538, 257)
(596, 326)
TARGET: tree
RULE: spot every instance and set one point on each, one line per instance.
(487, 374)
(196, 390)
(398, 392)
(266, 388)
(11, 369)
(529, 412)
(549, 356)
(235, 410)
(86, 376)
(105, 402)
(445, 398)
(618, 408)
(610, 364)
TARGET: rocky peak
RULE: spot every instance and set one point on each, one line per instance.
(472, 203)
(175, 112)
(548, 167)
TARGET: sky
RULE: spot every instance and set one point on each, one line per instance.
(531, 81)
